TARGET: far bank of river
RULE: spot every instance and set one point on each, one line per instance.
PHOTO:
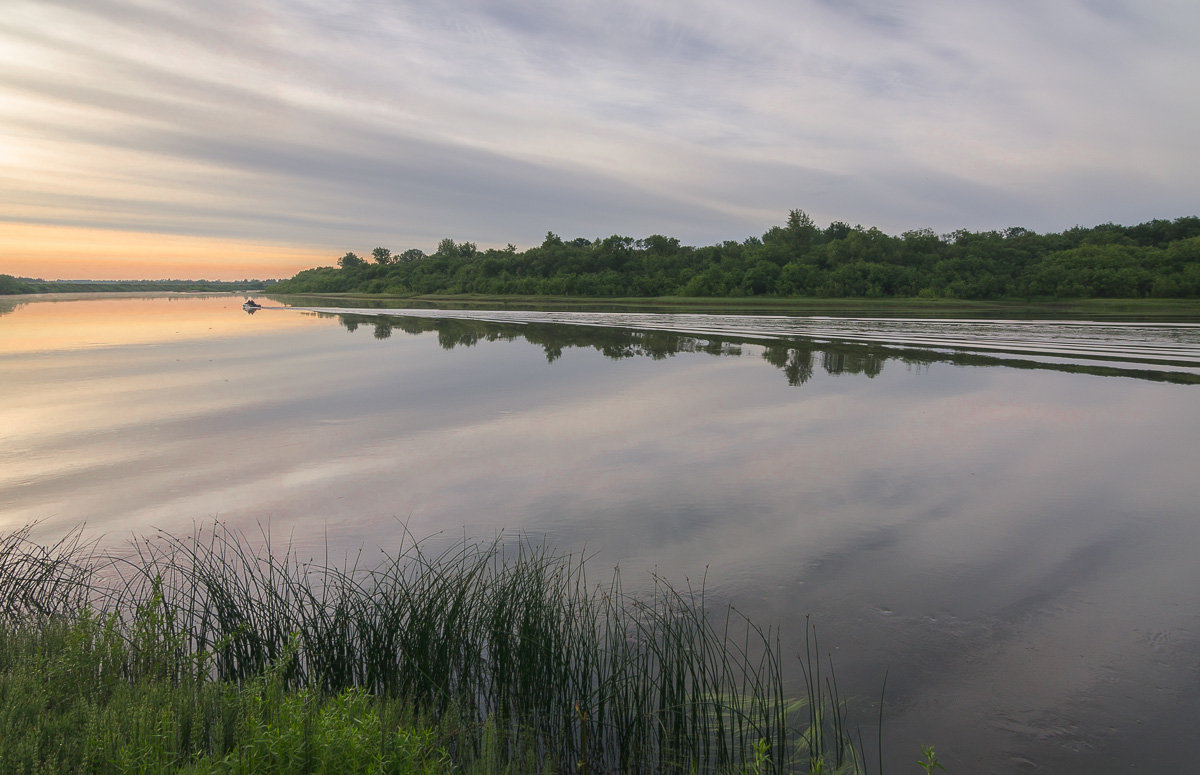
(1079, 309)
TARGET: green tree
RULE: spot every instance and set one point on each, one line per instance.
(837, 230)
(1159, 258)
(801, 230)
(10, 284)
(760, 278)
(382, 256)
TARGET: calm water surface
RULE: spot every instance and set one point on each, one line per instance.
(1002, 515)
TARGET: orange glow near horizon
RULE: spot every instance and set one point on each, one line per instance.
(75, 253)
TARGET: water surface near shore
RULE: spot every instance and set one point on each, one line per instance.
(1001, 514)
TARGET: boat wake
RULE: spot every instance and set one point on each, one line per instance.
(1166, 344)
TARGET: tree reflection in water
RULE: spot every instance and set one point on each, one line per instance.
(795, 357)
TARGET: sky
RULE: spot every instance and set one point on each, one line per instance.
(254, 138)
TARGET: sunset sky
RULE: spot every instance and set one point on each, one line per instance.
(253, 138)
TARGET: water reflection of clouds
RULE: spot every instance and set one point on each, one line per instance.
(1003, 539)
(107, 320)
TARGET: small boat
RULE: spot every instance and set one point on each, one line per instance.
(249, 304)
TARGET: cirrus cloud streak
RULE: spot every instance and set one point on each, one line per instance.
(346, 124)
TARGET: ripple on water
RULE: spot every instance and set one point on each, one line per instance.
(1166, 343)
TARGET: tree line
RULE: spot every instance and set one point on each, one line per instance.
(1159, 258)
(10, 285)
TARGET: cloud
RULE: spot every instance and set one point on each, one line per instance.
(337, 123)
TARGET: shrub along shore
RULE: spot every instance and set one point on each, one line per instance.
(1156, 259)
(216, 654)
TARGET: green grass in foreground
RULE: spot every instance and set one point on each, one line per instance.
(207, 655)
(69, 703)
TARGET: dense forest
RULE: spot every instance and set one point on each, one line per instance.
(12, 285)
(1159, 258)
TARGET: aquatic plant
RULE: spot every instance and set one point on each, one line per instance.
(507, 649)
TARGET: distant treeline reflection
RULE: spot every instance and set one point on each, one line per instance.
(797, 358)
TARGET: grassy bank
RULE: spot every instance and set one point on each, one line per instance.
(213, 654)
(1081, 309)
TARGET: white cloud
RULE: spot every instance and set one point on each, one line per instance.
(336, 123)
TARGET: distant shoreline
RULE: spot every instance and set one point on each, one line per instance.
(1154, 260)
(1182, 310)
(19, 286)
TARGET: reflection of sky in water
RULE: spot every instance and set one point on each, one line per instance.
(1015, 545)
(78, 321)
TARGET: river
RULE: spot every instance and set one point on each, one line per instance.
(1002, 516)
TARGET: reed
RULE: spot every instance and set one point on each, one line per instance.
(43, 580)
(510, 651)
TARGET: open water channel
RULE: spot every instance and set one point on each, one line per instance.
(1003, 516)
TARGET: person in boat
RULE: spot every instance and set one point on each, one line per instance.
(250, 303)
